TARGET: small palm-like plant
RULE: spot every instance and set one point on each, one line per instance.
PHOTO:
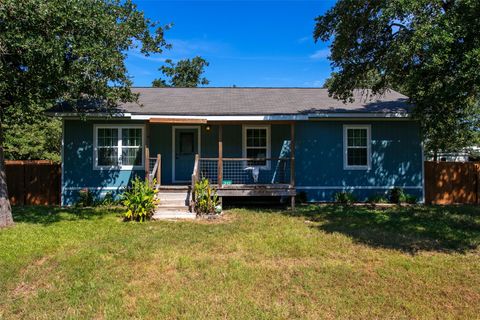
(206, 198)
(139, 200)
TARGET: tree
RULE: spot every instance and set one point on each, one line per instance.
(429, 49)
(31, 135)
(65, 50)
(185, 73)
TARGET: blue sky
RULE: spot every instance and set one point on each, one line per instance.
(248, 43)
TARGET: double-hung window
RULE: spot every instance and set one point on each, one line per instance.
(356, 146)
(118, 147)
(256, 144)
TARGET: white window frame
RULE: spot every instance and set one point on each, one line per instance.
(269, 147)
(119, 128)
(345, 146)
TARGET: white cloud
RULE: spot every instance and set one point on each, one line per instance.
(305, 39)
(314, 83)
(320, 54)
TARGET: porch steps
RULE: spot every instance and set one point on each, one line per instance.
(173, 203)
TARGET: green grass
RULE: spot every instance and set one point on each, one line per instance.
(321, 262)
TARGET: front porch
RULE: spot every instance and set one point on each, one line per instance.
(260, 164)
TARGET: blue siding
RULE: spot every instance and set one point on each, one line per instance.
(396, 157)
(396, 160)
(78, 170)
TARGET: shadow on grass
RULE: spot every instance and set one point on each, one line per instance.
(408, 229)
(49, 215)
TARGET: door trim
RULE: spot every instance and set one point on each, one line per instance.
(199, 140)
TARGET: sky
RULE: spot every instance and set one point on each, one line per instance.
(247, 43)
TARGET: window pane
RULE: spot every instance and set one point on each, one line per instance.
(107, 156)
(186, 142)
(257, 137)
(357, 137)
(107, 137)
(132, 156)
(257, 153)
(132, 137)
(357, 156)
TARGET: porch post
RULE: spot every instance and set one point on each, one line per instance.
(159, 169)
(147, 150)
(292, 161)
(220, 157)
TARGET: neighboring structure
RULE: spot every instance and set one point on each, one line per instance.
(468, 154)
(243, 138)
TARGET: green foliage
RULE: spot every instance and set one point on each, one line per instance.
(377, 198)
(411, 199)
(206, 198)
(60, 50)
(31, 135)
(344, 197)
(85, 198)
(396, 195)
(185, 73)
(428, 50)
(139, 200)
(108, 200)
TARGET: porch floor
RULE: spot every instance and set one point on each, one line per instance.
(242, 190)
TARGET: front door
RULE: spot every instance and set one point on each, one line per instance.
(186, 146)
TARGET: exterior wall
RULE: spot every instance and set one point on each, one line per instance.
(396, 160)
(396, 157)
(78, 172)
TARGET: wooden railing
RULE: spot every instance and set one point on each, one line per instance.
(195, 178)
(153, 169)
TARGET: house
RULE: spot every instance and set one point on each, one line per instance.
(246, 141)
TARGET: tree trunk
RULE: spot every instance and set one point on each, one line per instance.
(6, 218)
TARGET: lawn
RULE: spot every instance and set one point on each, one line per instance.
(321, 262)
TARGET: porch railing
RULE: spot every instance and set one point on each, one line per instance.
(246, 170)
(195, 178)
(154, 169)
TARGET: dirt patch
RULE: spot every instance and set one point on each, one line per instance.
(220, 219)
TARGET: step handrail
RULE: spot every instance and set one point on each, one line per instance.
(195, 178)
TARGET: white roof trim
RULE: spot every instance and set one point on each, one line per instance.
(294, 117)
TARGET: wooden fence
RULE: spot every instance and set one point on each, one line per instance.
(452, 182)
(33, 182)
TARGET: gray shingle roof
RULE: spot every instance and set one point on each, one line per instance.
(255, 101)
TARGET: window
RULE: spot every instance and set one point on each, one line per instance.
(118, 146)
(356, 141)
(256, 142)
(186, 142)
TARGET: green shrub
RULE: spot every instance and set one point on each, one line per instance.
(206, 198)
(301, 197)
(410, 198)
(344, 197)
(85, 198)
(108, 200)
(397, 195)
(377, 198)
(139, 200)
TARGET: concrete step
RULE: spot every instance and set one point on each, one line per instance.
(173, 214)
(172, 196)
(180, 206)
(173, 189)
(170, 202)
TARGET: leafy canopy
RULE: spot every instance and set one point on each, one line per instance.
(54, 50)
(185, 73)
(429, 49)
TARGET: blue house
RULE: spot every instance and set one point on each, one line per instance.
(246, 141)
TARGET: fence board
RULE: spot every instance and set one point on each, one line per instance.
(452, 182)
(35, 182)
